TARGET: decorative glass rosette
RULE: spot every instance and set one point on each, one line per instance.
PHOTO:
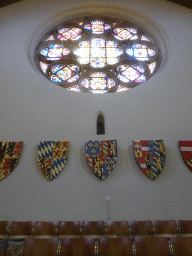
(97, 55)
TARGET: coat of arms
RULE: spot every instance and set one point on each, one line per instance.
(150, 156)
(9, 157)
(101, 157)
(52, 157)
(186, 152)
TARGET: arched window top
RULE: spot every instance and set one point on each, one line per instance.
(100, 124)
(97, 55)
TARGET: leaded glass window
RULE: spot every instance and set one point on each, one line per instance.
(97, 55)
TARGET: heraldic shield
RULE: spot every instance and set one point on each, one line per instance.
(52, 157)
(186, 152)
(150, 156)
(9, 156)
(101, 157)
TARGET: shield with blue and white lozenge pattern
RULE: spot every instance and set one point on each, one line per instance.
(150, 156)
(52, 157)
(101, 157)
(186, 152)
(10, 152)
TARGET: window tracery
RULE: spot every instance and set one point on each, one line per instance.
(97, 55)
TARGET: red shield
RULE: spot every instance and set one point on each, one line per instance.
(150, 156)
(186, 152)
(9, 157)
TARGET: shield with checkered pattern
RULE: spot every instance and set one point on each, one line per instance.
(150, 156)
(52, 157)
(101, 157)
(10, 152)
(186, 152)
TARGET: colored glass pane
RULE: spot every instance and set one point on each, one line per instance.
(97, 42)
(98, 74)
(97, 54)
(144, 38)
(55, 52)
(152, 67)
(44, 66)
(130, 73)
(50, 38)
(97, 27)
(74, 88)
(140, 52)
(69, 34)
(62, 73)
(122, 88)
(98, 81)
(140, 79)
(98, 91)
(125, 33)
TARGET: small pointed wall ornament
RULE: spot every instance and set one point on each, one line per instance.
(10, 152)
(52, 157)
(186, 152)
(150, 156)
(101, 157)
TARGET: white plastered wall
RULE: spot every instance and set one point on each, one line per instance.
(33, 109)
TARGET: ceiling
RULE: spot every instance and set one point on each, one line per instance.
(185, 3)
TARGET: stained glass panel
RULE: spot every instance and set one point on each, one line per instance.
(152, 67)
(98, 81)
(69, 34)
(131, 73)
(125, 33)
(98, 74)
(122, 88)
(97, 50)
(144, 38)
(55, 52)
(50, 38)
(97, 27)
(44, 66)
(140, 52)
(62, 73)
(74, 88)
(96, 54)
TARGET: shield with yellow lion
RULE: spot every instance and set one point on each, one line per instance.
(52, 157)
(101, 157)
(10, 152)
(150, 156)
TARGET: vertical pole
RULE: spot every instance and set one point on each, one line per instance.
(108, 207)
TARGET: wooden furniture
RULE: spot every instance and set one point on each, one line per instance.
(20, 229)
(152, 246)
(44, 229)
(70, 229)
(115, 246)
(141, 228)
(116, 229)
(93, 229)
(40, 247)
(77, 247)
(166, 228)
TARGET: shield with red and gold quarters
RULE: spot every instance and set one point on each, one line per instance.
(150, 156)
(186, 152)
(52, 157)
(101, 157)
(10, 152)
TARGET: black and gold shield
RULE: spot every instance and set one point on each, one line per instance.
(9, 156)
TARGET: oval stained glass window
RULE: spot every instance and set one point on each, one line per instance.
(97, 55)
